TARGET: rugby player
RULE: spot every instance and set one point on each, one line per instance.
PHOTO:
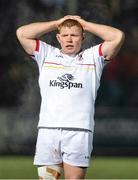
(69, 78)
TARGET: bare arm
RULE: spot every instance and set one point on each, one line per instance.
(113, 38)
(27, 34)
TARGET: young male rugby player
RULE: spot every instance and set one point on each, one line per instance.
(69, 78)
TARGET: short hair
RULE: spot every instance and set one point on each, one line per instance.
(69, 23)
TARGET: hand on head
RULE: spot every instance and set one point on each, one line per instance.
(74, 17)
(61, 20)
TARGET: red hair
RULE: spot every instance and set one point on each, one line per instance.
(69, 23)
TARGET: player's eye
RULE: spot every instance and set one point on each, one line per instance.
(64, 35)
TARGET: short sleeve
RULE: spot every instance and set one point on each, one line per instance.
(99, 59)
(40, 53)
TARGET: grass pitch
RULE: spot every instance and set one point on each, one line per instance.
(20, 167)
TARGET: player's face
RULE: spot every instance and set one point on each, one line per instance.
(70, 39)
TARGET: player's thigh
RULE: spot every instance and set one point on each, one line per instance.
(73, 172)
(77, 147)
(47, 147)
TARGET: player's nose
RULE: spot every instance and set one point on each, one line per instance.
(69, 38)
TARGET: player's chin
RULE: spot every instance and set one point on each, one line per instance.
(71, 51)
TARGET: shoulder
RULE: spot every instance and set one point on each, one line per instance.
(95, 50)
(41, 44)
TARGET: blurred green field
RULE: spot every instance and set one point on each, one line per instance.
(20, 167)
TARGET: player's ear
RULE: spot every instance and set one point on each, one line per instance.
(83, 36)
(58, 37)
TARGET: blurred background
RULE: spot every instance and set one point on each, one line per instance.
(116, 118)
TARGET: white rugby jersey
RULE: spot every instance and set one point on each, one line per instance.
(68, 86)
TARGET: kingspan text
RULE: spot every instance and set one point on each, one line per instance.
(67, 84)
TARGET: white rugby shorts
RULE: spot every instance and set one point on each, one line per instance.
(58, 145)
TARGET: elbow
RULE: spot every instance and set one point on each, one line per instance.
(121, 36)
(19, 32)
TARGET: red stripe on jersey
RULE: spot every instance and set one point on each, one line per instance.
(100, 50)
(37, 45)
(87, 64)
(52, 63)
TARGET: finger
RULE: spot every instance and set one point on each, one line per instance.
(72, 17)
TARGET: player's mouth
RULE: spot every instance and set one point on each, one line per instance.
(69, 46)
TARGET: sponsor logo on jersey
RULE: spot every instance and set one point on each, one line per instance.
(65, 81)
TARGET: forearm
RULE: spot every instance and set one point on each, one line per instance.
(105, 32)
(36, 30)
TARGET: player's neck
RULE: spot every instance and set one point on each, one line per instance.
(70, 55)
